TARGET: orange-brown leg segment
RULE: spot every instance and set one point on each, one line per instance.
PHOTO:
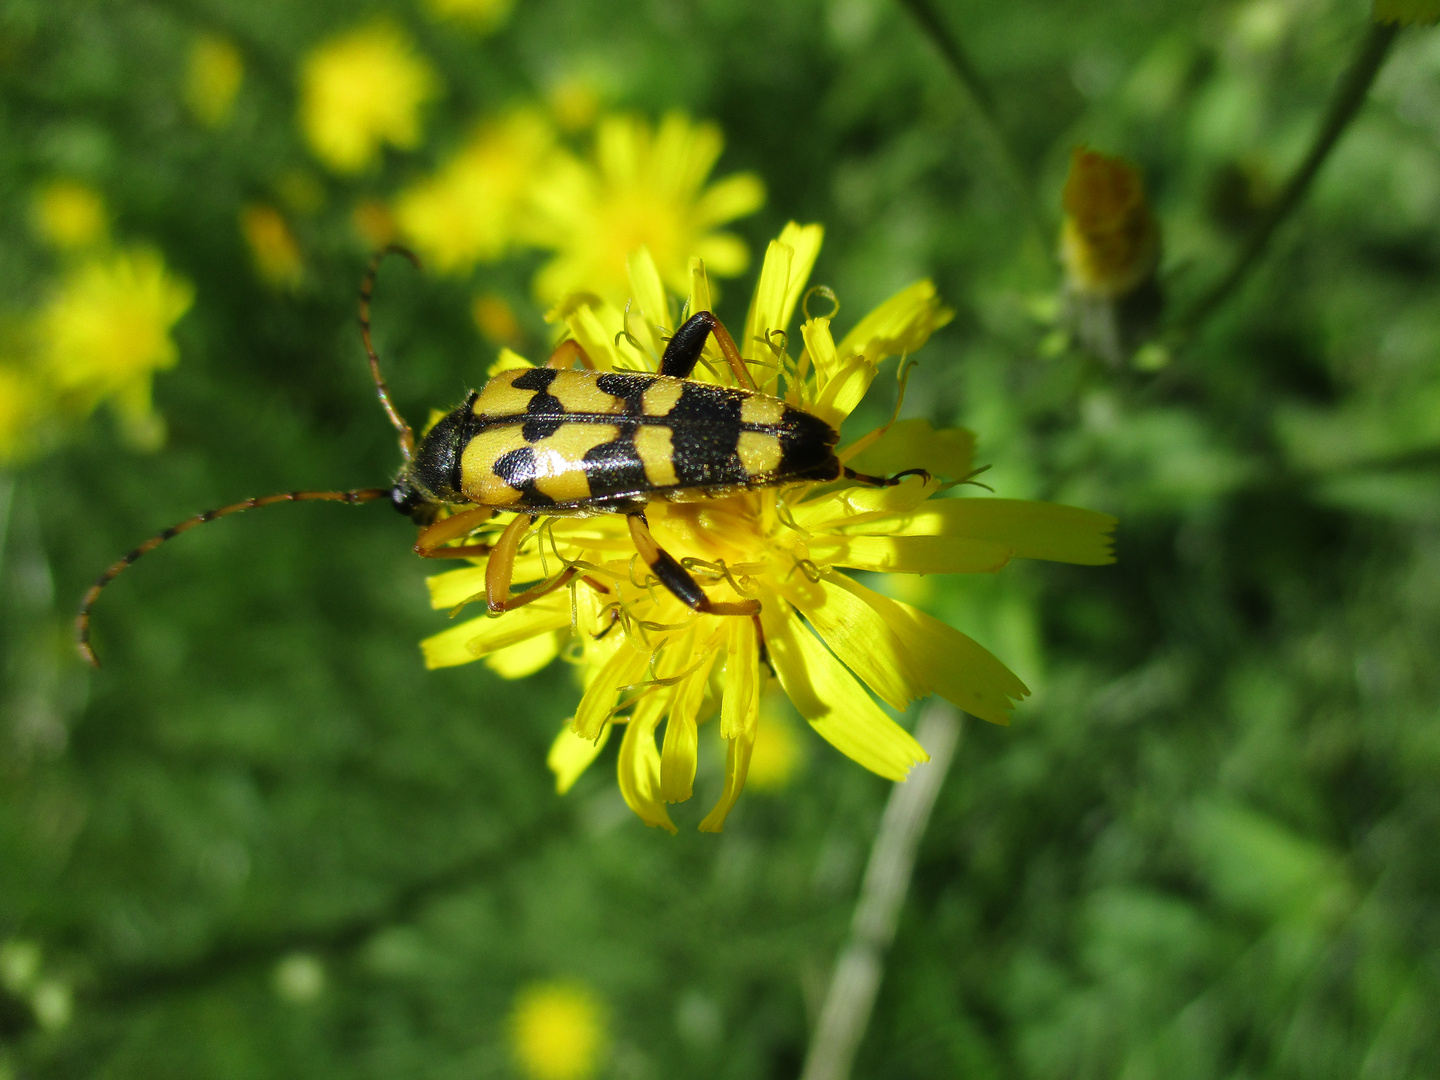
(683, 351)
(677, 579)
(428, 545)
(501, 569)
(566, 353)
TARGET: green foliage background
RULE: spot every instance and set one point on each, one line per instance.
(1205, 847)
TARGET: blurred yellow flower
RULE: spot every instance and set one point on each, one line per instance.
(1110, 241)
(69, 215)
(483, 15)
(360, 91)
(105, 331)
(1407, 12)
(273, 247)
(495, 318)
(777, 754)
(470, 209)
(646, 659)
(644, 188)
(574, 102)
(373, 223)
(22, 409)
(558, 1031)
(212, 79)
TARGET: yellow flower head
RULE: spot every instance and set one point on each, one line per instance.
(360, 91)
(212, 79)
(1110, 241)
(646, 659)
(272, 246)
(482, 15)
(1408, 12)
(22, 410)
(70, 215)
(469, 211)
(645, 188)
(106, 331)
(558, 1031)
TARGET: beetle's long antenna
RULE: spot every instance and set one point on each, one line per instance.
(82, 618)
(367, 287)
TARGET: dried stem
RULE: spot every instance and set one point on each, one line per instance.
(1354, 88)
(851, 996)
(986, 111)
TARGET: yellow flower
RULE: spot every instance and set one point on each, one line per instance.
(22, 409)
(272, 246)
(495, 318)
(558, 1031)
(360, 91)
(574, 102)
(482, 15)
(469, 211)
(645, 188)
(1110, 241)
(832, 642)
(212, 79)
(1407, 12)
(70, 215)
(106, 330)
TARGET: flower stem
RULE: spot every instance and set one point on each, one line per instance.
(1354, 88)
(986, 110)
(856, 980)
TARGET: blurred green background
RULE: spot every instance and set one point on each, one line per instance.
(264, 841)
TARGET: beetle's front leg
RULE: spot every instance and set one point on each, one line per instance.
(500, 570)
(676, 578)
(427, 545)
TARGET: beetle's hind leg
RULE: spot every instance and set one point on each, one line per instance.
(883, 481)
(676, 578)
(683, 351)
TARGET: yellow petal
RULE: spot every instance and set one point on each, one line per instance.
(477, 637)
(914, 444)
(649, 293)
(804, 241)
(678, 754)
(625, 667)
(946, 661)
(844, 390)
(858, 636)
(730, 198)
(830, 698)
(455, 586)
(910, 554)
(699, 287)
(737, 764)
(1032, 530)
(725, 253)
(571, 755)
(820, 344)
(507, 360)
(638, 768)
(900, 325)
(768, 302)
(524, 658)
(740, 707)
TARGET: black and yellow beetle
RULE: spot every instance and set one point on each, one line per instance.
(552, 440)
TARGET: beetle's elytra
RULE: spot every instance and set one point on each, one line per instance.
(554, 440)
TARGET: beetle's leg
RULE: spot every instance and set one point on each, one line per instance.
(501, 568)
(683, 352)
(566, 353)
(427, 546)
(676, 578)
(883, 481)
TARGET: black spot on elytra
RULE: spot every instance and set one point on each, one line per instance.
(705, 434)
(517, 469)
(631, 388)
(615, 468)
(538, 378)
(807, 447)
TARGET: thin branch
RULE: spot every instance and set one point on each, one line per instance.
(1352, 92)
(986, 110)
(851, 996)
